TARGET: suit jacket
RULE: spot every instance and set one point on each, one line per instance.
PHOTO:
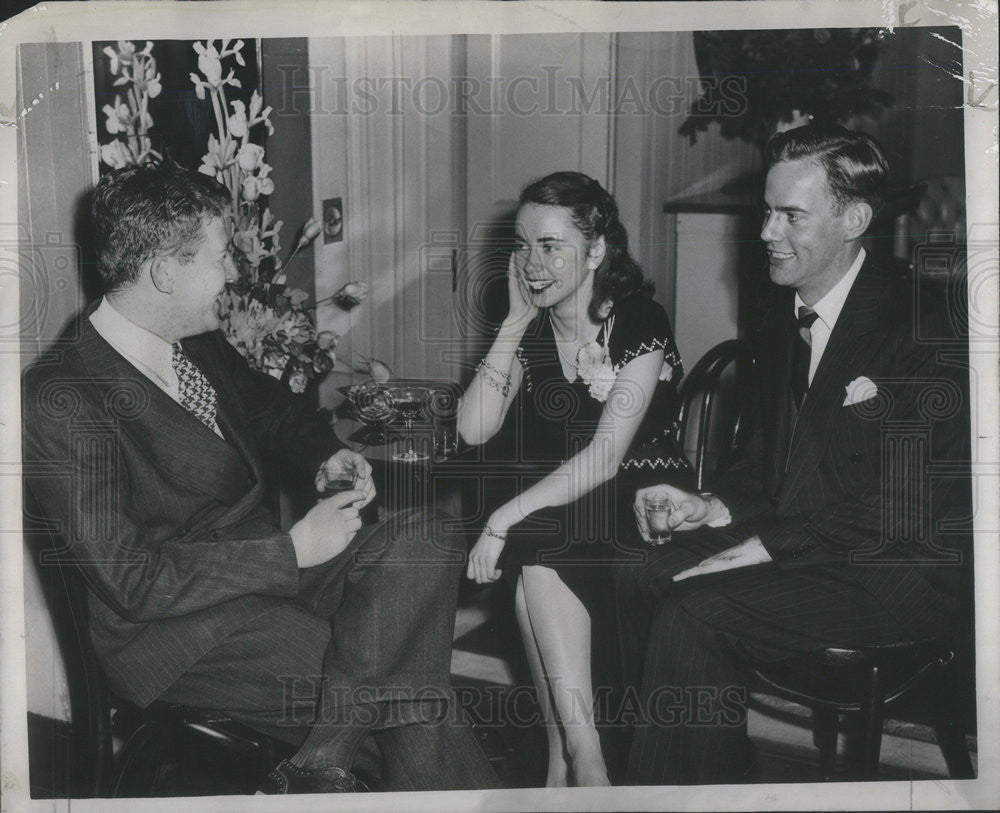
(876, 490)
(166, 519)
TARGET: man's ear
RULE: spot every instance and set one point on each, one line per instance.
(596, 251)
(858, 217)
(160, 272)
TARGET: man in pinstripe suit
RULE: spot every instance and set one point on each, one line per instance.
(829, 531)
(145, 436)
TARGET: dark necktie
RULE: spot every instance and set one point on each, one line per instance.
(803, 354)
(196, 393)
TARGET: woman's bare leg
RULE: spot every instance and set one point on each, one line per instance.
(558, 771)
(561, 627)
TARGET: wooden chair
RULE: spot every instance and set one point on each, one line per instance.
(152, 739)
(860, 685)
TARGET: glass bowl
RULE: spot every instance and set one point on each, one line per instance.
(372, 404)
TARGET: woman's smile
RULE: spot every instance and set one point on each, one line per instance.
(538, 285)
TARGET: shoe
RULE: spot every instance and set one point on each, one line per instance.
(288, 778)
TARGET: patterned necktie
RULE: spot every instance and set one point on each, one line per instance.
(803, 354)
(196, 393)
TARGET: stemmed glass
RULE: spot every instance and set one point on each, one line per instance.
(374, 408)
(409, 401)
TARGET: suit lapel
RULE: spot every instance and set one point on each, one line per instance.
(230, 417)
(851, 345)
(181, 447)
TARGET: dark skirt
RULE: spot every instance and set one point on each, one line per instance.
(581, 541)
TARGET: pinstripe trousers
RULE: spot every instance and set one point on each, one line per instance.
(681, 642)
(368, 643)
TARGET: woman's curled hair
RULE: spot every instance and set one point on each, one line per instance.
(595, 213)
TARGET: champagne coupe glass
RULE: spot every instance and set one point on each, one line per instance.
(409, 401)
(373, 407)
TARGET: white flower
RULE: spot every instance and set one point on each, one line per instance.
(310, 230)
(250, 157)
(250, 246)
(245, 241)
(253, 187)
(112, 54)
(209, 63)
(600, 386)
(589, 357)
(297, 381)
(593, 365)
(214, 162)
(297, 296)
(151, 79)
(260, 114)
(326, 339)
(379, 370)
(351, 294)
(250, 191)
(116, 154)
(123, 56)
(238, 120)
(119, 117)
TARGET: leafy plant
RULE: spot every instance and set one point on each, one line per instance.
(753, 80)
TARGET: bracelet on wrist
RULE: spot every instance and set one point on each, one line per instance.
(490, 532)
(488, 371)
(485, 365)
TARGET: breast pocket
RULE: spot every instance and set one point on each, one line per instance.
(855, 448)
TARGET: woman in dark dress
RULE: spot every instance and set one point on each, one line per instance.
(581, 377)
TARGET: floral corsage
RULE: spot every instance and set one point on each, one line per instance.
(593, 365)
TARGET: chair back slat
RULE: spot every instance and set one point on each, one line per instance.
(715, 397)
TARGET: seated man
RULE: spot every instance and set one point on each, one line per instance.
(150, 429)
(828, 531)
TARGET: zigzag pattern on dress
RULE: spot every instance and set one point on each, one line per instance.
(656, 463)
(196, 393)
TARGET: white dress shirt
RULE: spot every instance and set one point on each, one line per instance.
(828, 309)
(147, 352)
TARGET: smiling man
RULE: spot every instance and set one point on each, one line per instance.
(145, 439)
(830, 531)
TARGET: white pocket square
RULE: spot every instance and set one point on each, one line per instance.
(860, 389)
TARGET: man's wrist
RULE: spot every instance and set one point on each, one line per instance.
(717, 515)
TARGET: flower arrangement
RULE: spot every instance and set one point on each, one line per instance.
(267, 321)
(128, 120)
(822, 72)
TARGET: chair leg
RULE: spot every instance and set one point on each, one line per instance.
(949, 727)
(139, 762)
(865, 747)
(951, 739)
(825, 739)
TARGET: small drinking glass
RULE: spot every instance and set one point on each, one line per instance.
(445, 440)
(337, 482)
(344, 481)
(657, 508)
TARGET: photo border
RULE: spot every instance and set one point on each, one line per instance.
(194, 20)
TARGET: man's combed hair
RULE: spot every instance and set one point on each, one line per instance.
(855, 164)
(141, 212)
(595, 213)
